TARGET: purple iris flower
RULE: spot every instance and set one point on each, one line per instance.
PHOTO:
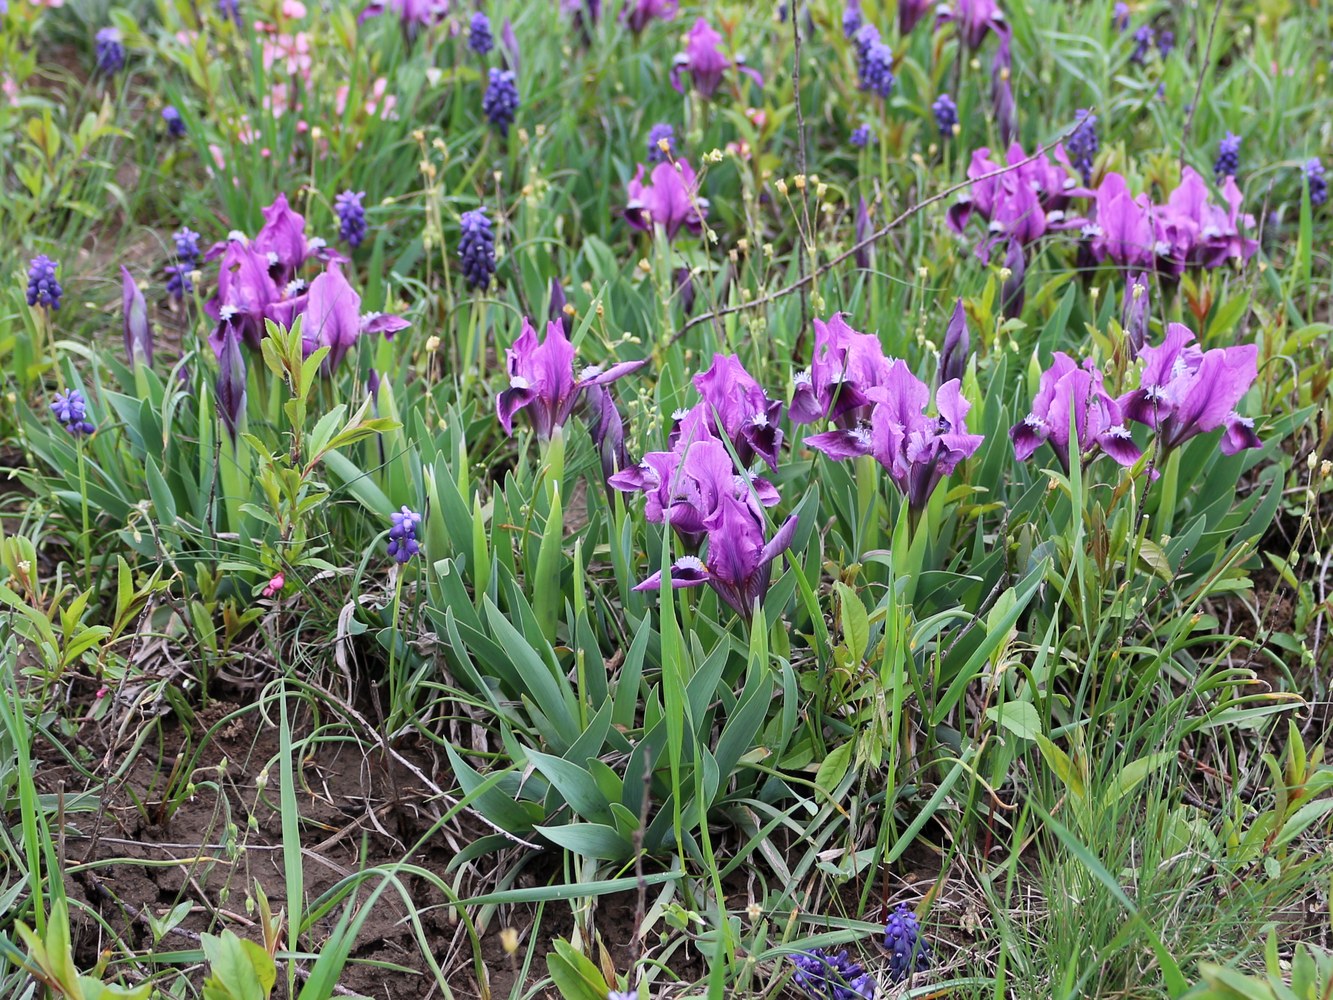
(917, 450)
(684, 486)
(282, 239)
(705, 61)
(910, 12)
(1003, 108)
(638, 14)
(738, 408)
(414, 15)
(1193, 232)
(541, 380)
(957, 347)
(1013, 294)
(738, 563)
(138, 334)
(331, 317)
(560, 310)
(1134, 313)
(974, 19)
(1184, 391)
(1068, 391)
(606, 427)
(670, 199)
(231, 380)
(1123, 230)
(845, 367)
(246, 294)
(1024, 204)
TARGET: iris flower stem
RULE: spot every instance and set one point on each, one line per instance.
(83, 503)
(394, 688)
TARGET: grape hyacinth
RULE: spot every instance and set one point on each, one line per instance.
(659, 133)
(1166, 42)
(851, 18)
(1143, 39)
(1120, 16)
(1228, 156)
(1314, 176)
(110, 52)
(175, 124)
(476, 249)
(351, 217)
(875, 64)
(501, 100)
(230, 10)
(43, 288)
(822, 976)
(71, 410)
(1083, 144)
(479, 37)
(403, 544)
(908, 950)
(179, 284)
(860, 137)
(946, 114)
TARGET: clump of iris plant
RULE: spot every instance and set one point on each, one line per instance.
(946, 115)
(669, 199)
(110, 51)
(908, 949)
(1188, 231)
(1185, 391)
(658, 135)
(403, 543)
(174, 122)
(71, 410)
(1228, 156)
(682, 486)
(822, 975)
(500, 102)
(1313, 171)
(479, 37)
(351, 217)
(44, 289)
(542, 381)
(705, 62)
(1024, 204)
(917, 450)
(476, 248)
(1070, 391)
(736, 407)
